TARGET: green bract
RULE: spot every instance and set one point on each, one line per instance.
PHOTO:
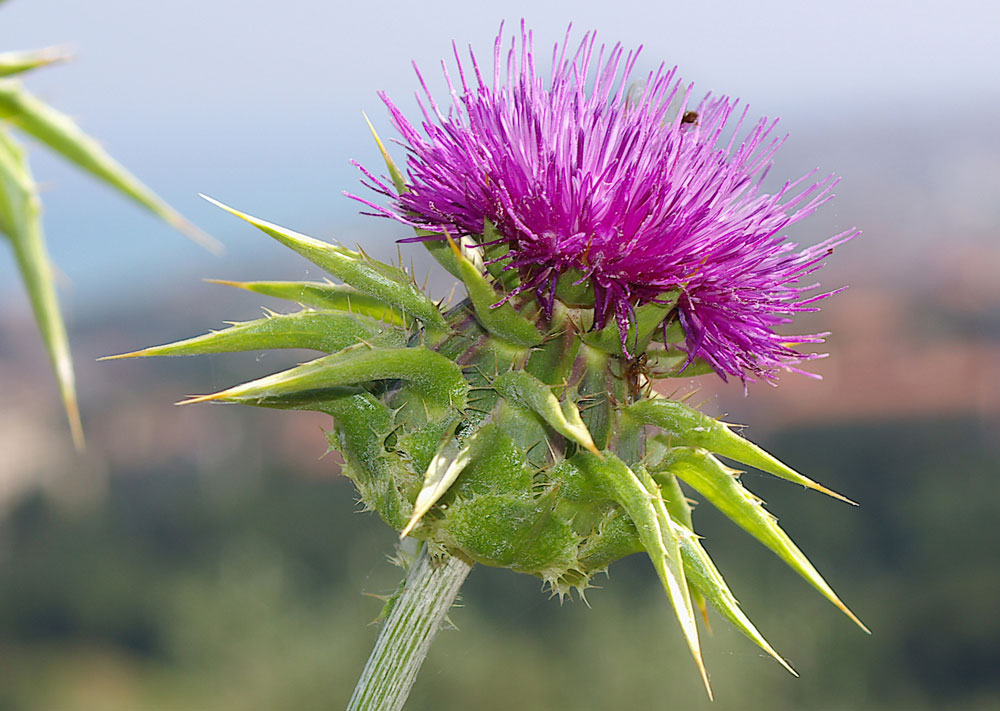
(506, 438)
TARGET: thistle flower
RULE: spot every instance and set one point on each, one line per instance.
(629, 187)
(519, 428)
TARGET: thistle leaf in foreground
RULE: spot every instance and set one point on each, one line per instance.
(434, 377)
(706, 578)
(322, 295)
(720, 485)
(685, 426)
(387, 283)
(315, 330)
(60, 133)
(680, 511)
(20, 221)
(640, 498)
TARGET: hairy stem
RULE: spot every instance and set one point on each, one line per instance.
(431, 586)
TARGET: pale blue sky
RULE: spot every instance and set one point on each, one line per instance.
(259, 103)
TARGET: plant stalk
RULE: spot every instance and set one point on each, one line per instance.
(431, 586)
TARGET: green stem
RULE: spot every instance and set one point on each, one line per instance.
(431, 586)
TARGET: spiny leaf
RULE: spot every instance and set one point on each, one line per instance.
(502, 320)
(60, 133)
(397, 176)
(449, 461)
(438, 380)
(639, 496)
(322, 295)
(387, 283)
(16, 62)
(528, 391)
(20, 220)
(362, 424)
(317, 330)
(680, 511)
(703, 574)
(720, 485)
(688, 427)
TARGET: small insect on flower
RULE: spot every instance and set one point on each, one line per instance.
(628, 188)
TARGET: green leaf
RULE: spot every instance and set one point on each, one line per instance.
(640, 330)
(397, 176)
(389, 284)
(721, 486)
(704, 576)
(362, 424)
(327, 331)
(437, 380)
(20, 220)
(60, 133)
(685, 426)
(503, 321)
(529, 392)
(322, 295)
(449, 461)
(638, 494)
(680, 511)
(16, 62)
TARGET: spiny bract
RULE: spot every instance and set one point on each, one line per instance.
(519, 429)
(505, 437)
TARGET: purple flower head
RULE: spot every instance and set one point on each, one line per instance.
(626, 185)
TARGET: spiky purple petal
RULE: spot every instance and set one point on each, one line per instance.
(625, 185)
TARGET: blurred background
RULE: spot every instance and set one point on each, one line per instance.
(212, 557)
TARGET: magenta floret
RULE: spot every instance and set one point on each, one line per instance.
(628, 184)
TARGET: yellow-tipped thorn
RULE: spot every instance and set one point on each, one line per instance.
(704, 674)
(397, 177)
(414, 520)
(202, 398)
(592, 448)
(66, 381)
(226, 282)
(75, 424)
(383, 598)
(830, 492)
(704, 615)
(453, 245)
(847, 611)
(230, 210)
(378, 141)
(120, 356)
